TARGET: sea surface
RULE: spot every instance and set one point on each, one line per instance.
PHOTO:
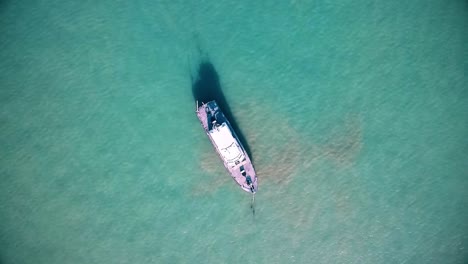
(355, 113)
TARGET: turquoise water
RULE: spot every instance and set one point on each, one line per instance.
(355, 113)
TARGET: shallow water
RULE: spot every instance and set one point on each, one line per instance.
(355, 114)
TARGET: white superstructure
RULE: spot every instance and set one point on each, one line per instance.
(227, 145)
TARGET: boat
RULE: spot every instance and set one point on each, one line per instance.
(227, 145)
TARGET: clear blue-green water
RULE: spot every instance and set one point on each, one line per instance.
(355, 113)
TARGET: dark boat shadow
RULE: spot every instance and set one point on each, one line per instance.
(207, 87)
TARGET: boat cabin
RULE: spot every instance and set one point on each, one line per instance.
(227, 145)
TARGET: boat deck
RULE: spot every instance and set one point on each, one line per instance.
(242, 170)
